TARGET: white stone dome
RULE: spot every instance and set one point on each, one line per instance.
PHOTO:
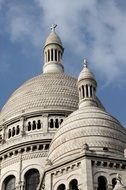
(86, 74)
(46, 92)
(53, 38)
(92, 126)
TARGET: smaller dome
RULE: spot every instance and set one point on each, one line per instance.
(89, 125)
(53, 38)
(86, 73)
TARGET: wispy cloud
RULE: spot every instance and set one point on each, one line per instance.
(24, 24)
(94, 29)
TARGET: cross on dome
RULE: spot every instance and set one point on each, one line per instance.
(53, 27)
(85, 63)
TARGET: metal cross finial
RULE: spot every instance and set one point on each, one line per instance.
(53, 27)
(85, 63)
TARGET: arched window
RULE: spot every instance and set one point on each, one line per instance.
(9, 133)
(48, 55)
(17, 130)
(86, 90)
(39, 124)
(56, 123)
(102, 183)
(55, 54)
(51, 123)
(61, 121)
(114, 182)
(13, 131)
(29, 126)
(61, 187)
(9, 183)
(32, 179)
(51, 54)
(73, 185)
(34, 125)
(83, 92)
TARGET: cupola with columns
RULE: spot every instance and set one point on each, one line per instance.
(86, 86)
(53, 52)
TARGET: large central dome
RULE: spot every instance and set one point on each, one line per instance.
(46, 92)
(51, 91)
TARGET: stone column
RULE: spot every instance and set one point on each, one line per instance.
(22, 128)
(87, 178)
(48, 182)
(85, 91)
(89, 93)
(45, 123)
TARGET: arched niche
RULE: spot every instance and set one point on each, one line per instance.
(32, 179)
(102, 183)
(9, 183)
(61, 187)
(73, 185)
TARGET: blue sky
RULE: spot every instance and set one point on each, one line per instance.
(92, 29)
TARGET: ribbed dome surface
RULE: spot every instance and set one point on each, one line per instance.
(90, 125)
(86, 74)
(53, 38)
(50, 91)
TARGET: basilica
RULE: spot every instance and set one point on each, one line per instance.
(55, 134)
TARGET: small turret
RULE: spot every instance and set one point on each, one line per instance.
(86, 86)
(53, 52)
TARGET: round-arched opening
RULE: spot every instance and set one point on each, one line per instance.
(9, 183)
(32, 178)
(61, 187)
(73, 185)
(114, 182)
(102, 183)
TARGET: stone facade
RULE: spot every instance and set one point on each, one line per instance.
(56, 134)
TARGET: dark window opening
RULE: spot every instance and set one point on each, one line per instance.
(86, 90)
(40, 146)
(39, 124)
(56, 123)
(32, 179)
(13, 131)
(114, 182)
(51, 123)
(61, 121)
(9, 133)
(102, 183)
(34, 148)
(73, 185)
(9, 183)
(51, 54)
(61, 187)
(83, 92)
(46, 146)
(55, 54)
(29, 126)
(91, 90)
(48, 55)
(18, 130)
(34, 125)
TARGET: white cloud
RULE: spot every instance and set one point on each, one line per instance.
(23, 24)
(91, 28)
